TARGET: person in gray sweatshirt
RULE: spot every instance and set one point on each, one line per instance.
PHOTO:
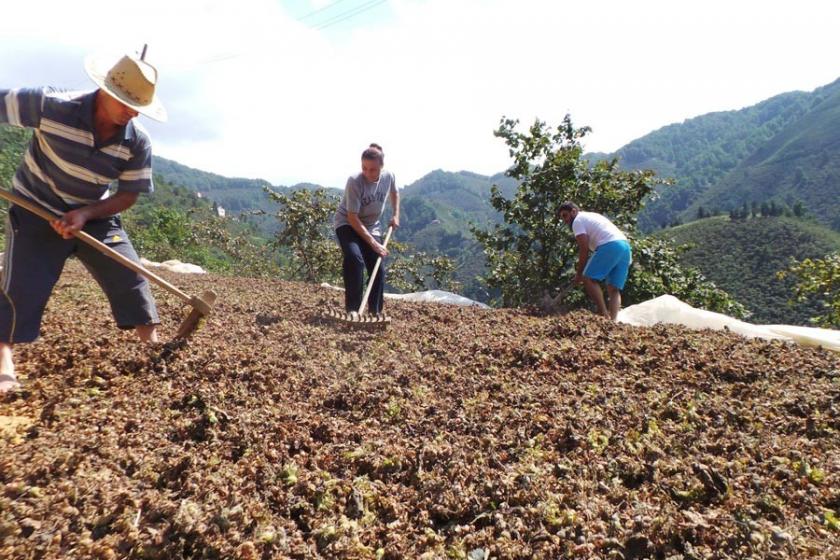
(359, 230)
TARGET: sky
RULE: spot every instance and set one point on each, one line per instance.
(293, 90)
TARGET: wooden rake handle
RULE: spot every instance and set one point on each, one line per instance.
(38, 210)
(375, 271)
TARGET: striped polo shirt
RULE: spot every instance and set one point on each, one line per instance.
(65, 166)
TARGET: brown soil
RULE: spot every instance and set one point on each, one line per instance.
(456, 433)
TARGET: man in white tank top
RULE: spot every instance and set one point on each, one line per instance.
(611, 256)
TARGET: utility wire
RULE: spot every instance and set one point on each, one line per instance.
(349, 14)
(343, 16)
(319, 10)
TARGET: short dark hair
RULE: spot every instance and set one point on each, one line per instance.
(568, 206)
(375, 153)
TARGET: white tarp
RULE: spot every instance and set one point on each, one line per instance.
(438, 296)
(430, 296)
(668, 309)
(174, 265)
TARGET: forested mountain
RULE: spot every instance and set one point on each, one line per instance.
(234, 194)
(800, 163)
(743, 256)
(781, 149)
(436, 213)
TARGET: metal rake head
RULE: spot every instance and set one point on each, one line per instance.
(354, 318)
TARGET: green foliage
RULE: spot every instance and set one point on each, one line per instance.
(233, 194)
(412, 271)
(700, 152)
(798, 163)
(13, 142)
(534, 252)
(818, 280)
(657, 269)
(743, 256)
(305, 234)
(173, 223)
(778, 148)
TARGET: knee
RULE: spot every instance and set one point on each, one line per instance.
(354, 259)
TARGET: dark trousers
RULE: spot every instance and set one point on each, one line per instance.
(33, 261)
(358, 256)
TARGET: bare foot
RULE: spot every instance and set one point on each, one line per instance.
(147, 333)
(8, 379)
(8, 383)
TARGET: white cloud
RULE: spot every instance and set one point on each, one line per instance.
(253, 92)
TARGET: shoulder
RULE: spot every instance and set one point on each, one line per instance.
(66, 107)
(141, 136)
(581, 222)
(354, 180)
(55, 97)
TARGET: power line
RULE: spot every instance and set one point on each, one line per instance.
(319, 10)
(336, 19)
(349, 14)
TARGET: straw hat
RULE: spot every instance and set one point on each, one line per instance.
(131, 81)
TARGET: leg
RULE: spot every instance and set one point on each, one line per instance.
(615, 300)
(32, 263)
(593, 290)
(617, 277)
(8, 379)
(377, 291)
(353, 267)
(128, 293)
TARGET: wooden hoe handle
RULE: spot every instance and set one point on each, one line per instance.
(38, 210)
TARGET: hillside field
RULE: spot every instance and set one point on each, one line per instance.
(743, 257)
(456, 433)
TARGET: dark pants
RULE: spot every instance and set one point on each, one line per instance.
(33, 261)
(359, 256)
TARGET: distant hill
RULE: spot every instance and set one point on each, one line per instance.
(743, 256)
(800, 163)
(436, 213)
(778, 149)
(233, 193)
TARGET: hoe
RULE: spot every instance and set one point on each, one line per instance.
(201, 306)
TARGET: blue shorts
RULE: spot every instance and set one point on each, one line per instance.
(611, 261)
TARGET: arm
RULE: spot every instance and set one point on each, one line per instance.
(583, 256)
(21, 107)
(395, 205)
(361, 230)
(75, 220)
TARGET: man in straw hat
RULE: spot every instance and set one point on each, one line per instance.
(82, 143)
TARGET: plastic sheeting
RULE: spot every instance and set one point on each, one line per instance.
(438, 296)
(430, 296)
(174, 265)
(668, 309)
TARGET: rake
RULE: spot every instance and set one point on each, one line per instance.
(201, 306)
(360, 317)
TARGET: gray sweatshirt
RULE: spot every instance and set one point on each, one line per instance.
(365, 199)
